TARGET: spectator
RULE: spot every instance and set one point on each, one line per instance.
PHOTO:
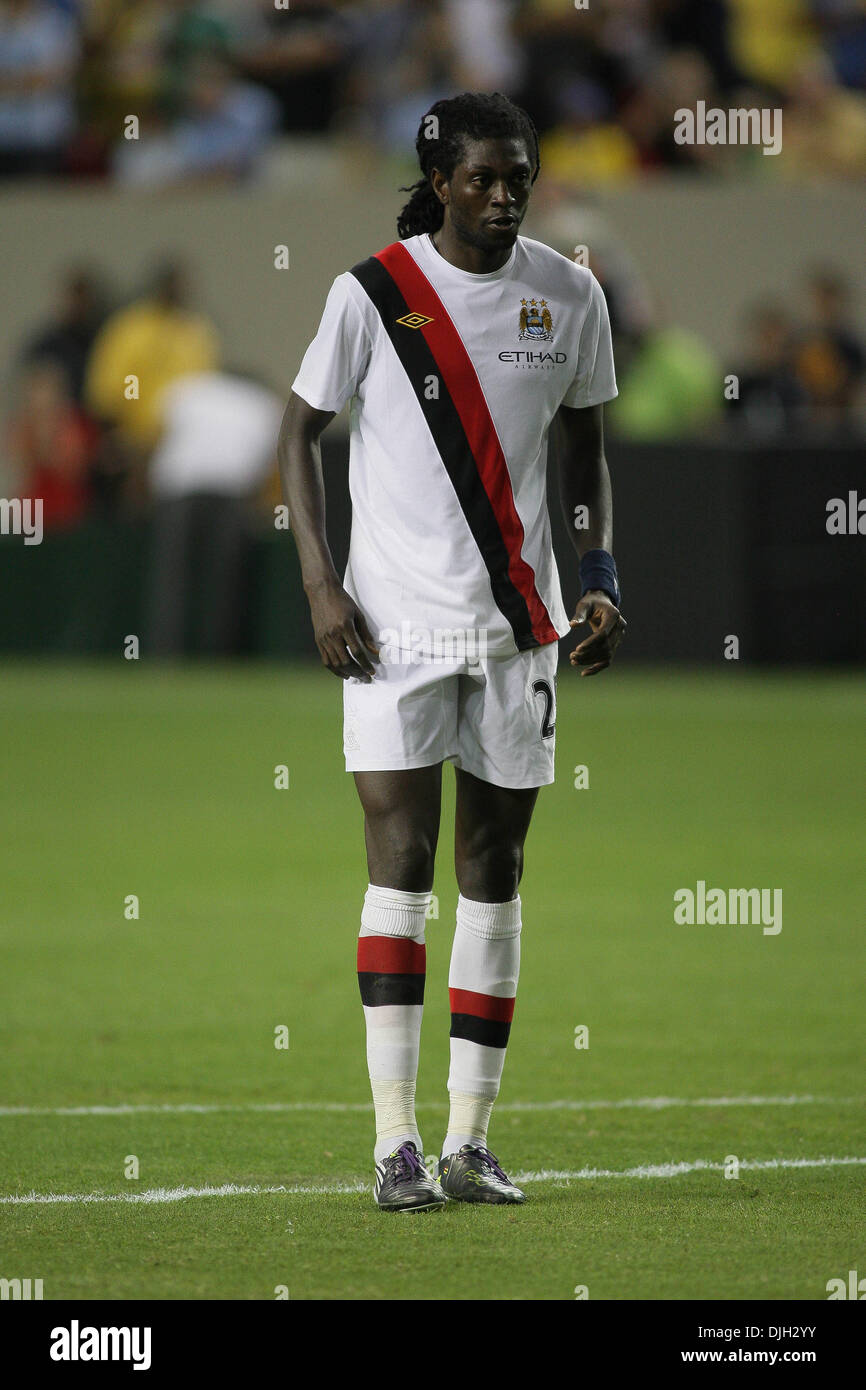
(843, 25)
(586, 148)
(560, 46)
(157, 339)
(68, 337)
(830, 358)
(217, 448)
(298, 53)
(138, 55)
(770, 39)
(680, 79)
(704, 27)
(38, 55)
(487, 56)
(121, 72)
(671, 387)
(824, 125)
(402, 60)
(51, 445)
(221, 137)
(192, 32)
(770, 399)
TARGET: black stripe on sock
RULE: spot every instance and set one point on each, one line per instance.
(377, 988)
(452, 444)
(486, 1031)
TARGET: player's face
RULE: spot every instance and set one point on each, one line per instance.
(487, 195)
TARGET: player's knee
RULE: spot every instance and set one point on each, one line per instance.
(401, 858)
(489, 870)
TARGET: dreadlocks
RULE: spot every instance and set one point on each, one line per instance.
(472, 116)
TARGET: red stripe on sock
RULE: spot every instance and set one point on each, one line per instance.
(391, 955)
(466, 1001)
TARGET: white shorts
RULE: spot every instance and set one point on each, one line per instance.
(494, 717)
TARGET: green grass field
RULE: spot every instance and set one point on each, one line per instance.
(124, 780)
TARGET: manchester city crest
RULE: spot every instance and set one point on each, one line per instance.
(535, 321)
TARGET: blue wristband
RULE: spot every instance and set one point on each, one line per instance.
(598, 571)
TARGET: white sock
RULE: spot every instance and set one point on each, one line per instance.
(485, 965)
(391, 974)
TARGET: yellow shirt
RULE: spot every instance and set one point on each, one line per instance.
(771, 38)
(603, 154)
(155, 345)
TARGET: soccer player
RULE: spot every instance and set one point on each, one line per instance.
(459, 347)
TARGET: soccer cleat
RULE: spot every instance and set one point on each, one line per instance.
(474, 1175)
(403, 1183)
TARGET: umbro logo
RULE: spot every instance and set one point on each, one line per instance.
(414, 320)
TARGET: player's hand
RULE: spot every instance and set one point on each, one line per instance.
(608, 625)
(342, 635)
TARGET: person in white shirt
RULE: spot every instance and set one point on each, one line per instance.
(458, 348)
(216, 450)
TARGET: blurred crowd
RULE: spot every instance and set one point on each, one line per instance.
(798, 370)
(187, 439)
(160, 92)
(88, 438)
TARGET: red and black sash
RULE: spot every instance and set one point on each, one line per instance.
(463, 432)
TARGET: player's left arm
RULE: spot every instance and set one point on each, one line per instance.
(584, 482)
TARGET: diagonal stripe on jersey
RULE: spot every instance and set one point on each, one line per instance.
(463, 431)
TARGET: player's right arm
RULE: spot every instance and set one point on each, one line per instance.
(342, 635)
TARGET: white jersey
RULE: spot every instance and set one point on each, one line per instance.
(454, 379)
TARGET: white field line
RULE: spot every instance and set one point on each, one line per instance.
(177, 1194)
(337, 1107)
(645, 1170)
(675, 1170)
